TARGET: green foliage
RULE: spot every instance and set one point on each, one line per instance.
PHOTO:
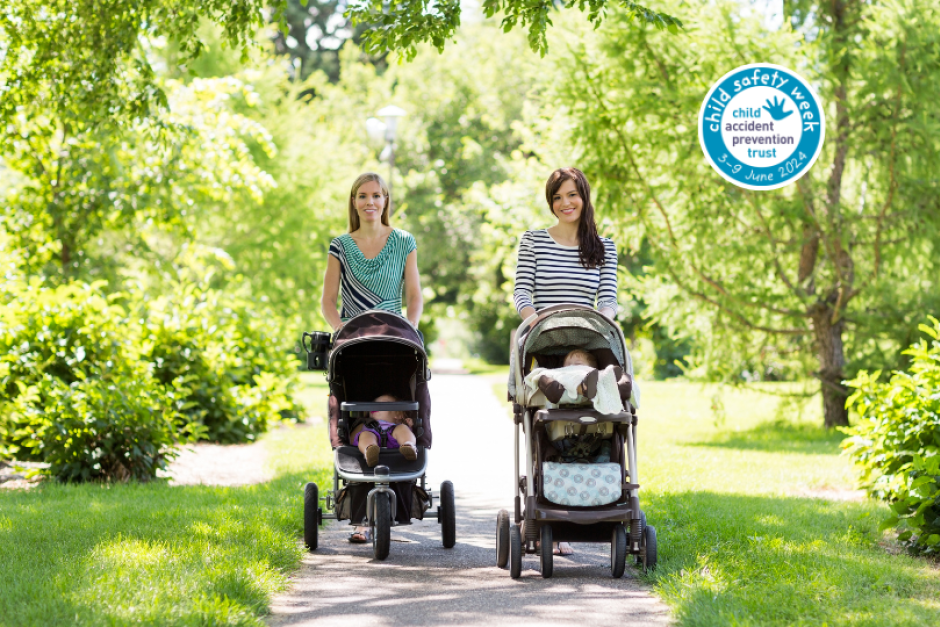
(896, 443)
(401, 25)
(760, 280)
(223, 354)
(81, 182)
(72, 390)
(114, 428)
(104, 74)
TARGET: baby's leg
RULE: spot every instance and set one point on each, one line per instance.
(406, 441)
(368, 445)
(552, 389)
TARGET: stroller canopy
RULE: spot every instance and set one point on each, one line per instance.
(558, 329)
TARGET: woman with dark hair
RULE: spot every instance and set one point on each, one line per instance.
(568, 262)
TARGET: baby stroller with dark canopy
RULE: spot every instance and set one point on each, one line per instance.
(560, 499)
(375, 353)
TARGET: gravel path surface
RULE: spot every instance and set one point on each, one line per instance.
(219, 464)
(421, 583)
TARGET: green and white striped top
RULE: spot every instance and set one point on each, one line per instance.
(372, 283)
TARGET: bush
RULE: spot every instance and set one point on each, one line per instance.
(222, 352)
(111, 428)
(73, 391)
(896, 443)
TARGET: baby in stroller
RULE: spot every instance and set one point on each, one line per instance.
(386, 429)
(574, 410)
(579, 381)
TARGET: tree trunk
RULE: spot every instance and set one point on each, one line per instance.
(831, 356)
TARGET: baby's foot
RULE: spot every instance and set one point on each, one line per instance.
(553, 390)
(624, 383)
(372, 455)
(588, 387)
(409, 451)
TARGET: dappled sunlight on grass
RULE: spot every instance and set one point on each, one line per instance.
(737, 544)
(156, 554)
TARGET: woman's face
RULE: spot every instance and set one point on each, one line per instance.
(370, 202)
(567, 203)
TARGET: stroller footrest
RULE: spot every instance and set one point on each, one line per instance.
(349, 460)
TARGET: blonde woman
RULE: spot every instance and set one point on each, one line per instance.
(372, 267)
(373, 264)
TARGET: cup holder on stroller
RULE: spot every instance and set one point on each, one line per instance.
(318, 350)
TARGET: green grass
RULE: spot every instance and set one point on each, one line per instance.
(734, 481)
(730, 480)
(153, 554)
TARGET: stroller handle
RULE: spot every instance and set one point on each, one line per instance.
(396, 406)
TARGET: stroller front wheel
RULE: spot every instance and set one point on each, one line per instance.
(382, 527)
(618, 551)
(502, 538)
(311, 515)
(515, 552)
(546, 551)
(448, 515)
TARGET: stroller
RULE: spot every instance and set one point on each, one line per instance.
(549, 513)
(376, 352)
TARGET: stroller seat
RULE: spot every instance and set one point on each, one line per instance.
(351, 464)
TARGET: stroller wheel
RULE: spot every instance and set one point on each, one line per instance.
(546, 551)
(448, 515)
(618, 551)
(649, 542)
(311, 515)
(502, 538)
(382, 527)
(515, 552)
(639, 558)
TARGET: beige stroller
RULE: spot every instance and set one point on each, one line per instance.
(561, 501)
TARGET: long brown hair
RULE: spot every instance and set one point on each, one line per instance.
(360, 181)
(590, 246)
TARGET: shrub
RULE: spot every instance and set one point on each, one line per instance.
(73, 391)
(896, 443)
(223, 353)
(112, 428)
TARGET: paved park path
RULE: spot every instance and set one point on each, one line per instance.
(421, 583)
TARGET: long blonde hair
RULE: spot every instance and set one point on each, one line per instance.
(360, 181)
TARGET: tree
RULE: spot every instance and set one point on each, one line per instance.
(840, 265)
(403, 24)
(316, 31)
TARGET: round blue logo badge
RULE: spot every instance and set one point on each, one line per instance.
(761, 126)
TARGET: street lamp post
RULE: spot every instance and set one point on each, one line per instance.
(391, 114)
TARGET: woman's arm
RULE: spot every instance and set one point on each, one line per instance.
(607, 287)
(330, 293)
(413, 298)
(525, 277)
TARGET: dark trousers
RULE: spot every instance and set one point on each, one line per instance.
(358, 494)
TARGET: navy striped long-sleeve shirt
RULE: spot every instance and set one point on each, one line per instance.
(550, 274)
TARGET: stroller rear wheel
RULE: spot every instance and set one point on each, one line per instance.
(312, 515)
(515, 552)
(618, 551)
(649, 542)
(502, 538)
(546, 551)
(639, 558)
(448, 515)
(382, 527)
